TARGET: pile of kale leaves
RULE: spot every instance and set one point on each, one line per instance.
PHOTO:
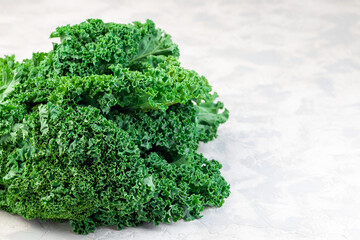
(104, 128)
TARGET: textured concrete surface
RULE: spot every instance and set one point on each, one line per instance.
(289, 72)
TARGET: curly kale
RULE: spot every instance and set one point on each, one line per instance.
(104, 129)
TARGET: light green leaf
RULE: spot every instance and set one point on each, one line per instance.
(44, 115)
(149, 182)
(7, 81)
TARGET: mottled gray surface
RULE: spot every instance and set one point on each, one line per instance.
(289, 73)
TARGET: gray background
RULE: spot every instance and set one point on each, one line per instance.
(288, 71)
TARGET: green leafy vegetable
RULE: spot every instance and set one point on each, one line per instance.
(156, 42)
(7, 81)
(104, 129)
